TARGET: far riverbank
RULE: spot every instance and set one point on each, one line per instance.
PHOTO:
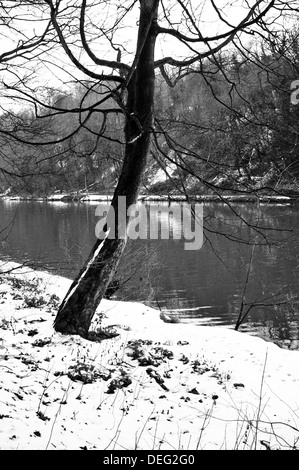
(87, 197)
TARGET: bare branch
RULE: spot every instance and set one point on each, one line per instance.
(248, 21)
(75, 61)
(105, 63)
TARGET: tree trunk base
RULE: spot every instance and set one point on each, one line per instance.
(79, 306)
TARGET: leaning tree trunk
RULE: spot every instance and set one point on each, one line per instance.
(79, 305)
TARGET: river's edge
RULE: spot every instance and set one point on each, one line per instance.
(146, 385)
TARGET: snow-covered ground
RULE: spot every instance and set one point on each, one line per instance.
(146, 385)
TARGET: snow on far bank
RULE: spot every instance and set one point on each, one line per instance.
(146, 385)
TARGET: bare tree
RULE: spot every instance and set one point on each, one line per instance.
(135, 96)
(90, 32)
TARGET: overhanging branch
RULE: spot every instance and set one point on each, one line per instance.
(75, 61)
(105, 63)
(226, 37)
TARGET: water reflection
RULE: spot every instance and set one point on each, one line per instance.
(58, 237)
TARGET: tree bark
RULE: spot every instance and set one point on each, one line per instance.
(81, 301)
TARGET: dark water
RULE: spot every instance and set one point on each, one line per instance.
(203, 286)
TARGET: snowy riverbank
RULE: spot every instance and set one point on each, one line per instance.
(147, 385)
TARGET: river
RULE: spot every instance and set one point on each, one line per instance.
(205, 286)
